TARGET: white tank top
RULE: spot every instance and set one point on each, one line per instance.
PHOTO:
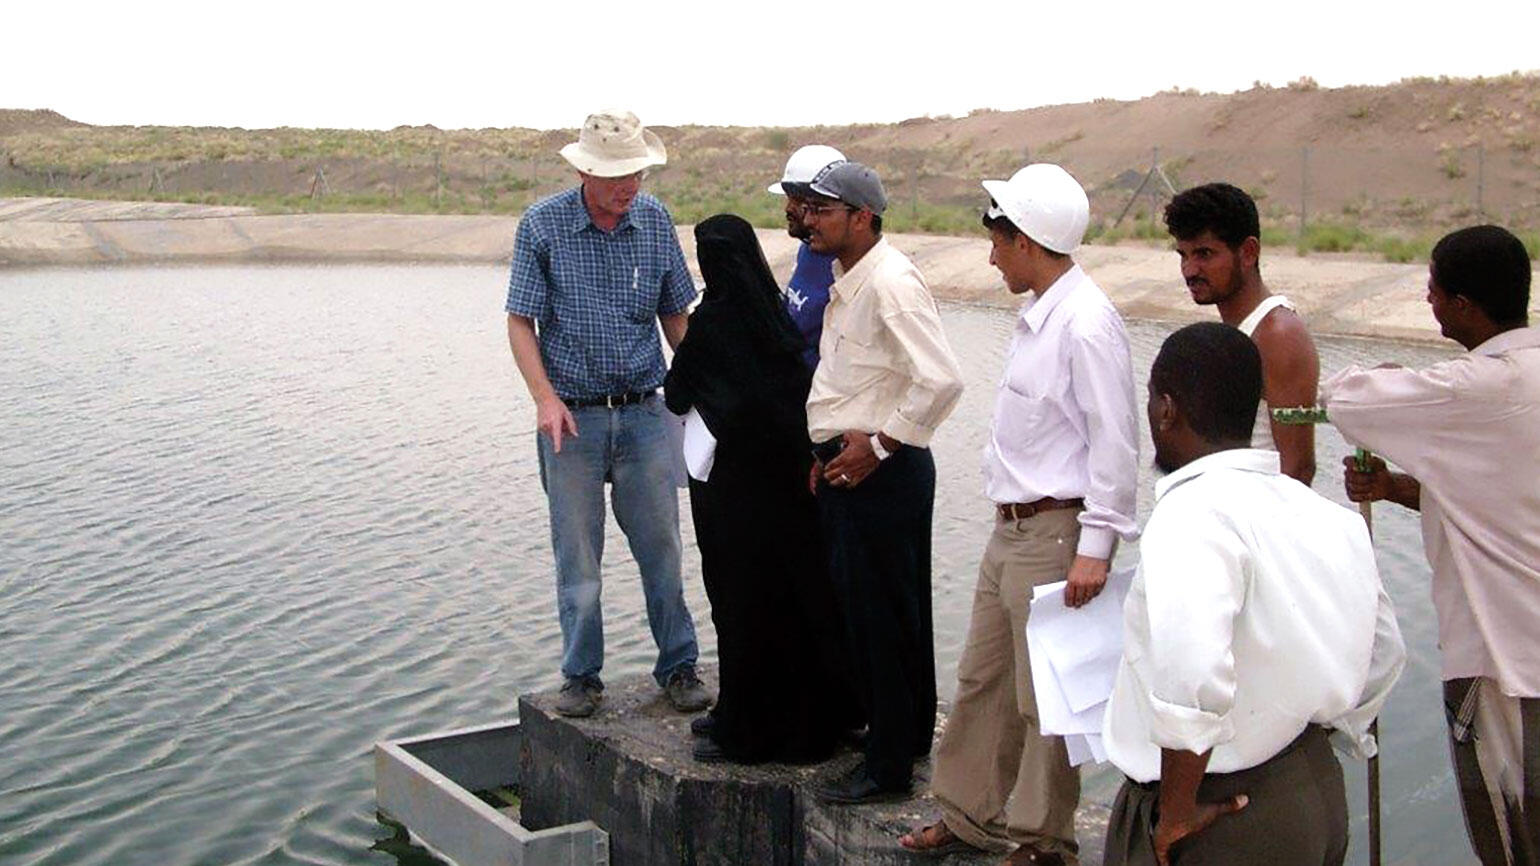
(1262, 431)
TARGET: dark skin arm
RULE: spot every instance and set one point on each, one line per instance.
(1181, 815)
(1291, 370)
(1380, 483)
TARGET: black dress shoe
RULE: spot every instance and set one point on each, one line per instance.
(703, 726)
(707, 751)
(857, 787)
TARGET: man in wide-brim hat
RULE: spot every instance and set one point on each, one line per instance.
(594, 268)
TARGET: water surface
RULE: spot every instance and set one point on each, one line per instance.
(256, 519)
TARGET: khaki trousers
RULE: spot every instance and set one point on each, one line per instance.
(999, 781)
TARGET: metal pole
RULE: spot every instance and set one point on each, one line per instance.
(1317, 415)
(1365, 508)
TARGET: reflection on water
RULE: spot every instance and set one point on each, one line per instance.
(256, 519)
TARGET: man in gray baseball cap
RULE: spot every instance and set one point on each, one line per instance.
(807, 292)
(885, 381)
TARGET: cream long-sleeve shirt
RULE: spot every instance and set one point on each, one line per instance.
(1065, 423)
(1468, 429)
(884, 361)
(1256, 610)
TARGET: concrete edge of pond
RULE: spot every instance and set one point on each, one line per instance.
(1339, 294)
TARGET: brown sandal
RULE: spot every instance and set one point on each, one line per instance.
(935, 840)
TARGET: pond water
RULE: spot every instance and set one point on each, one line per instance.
(256, 519)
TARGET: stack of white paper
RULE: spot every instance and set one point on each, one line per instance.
(1075, 653)
(700, 447)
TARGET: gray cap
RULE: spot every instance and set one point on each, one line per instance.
(852, 183)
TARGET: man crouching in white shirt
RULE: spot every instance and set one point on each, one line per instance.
(1256, 626)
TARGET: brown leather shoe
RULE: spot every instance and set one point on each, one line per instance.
(1028, 855)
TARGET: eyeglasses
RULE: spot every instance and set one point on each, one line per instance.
(818, 210)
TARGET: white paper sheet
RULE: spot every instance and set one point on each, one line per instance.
(1054, 715)
(1074, 655)
(1084, 643)
(700, 447)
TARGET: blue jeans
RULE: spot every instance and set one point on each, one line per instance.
(628, 447)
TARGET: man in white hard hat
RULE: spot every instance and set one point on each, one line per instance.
(886, 379)
(1061, 466)
(596, 269)
(808, 291)
(1217, 231)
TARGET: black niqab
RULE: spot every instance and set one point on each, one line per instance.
(739, 364)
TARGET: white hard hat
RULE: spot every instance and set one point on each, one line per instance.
(805, 164)
(1046, 203)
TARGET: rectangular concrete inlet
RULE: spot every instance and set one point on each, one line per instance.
(426, 784)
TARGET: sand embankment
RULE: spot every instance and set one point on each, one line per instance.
(1339, 295)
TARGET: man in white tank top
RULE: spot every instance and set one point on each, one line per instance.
(1217, 236)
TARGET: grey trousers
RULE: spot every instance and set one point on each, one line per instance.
(1494, 741)
(1297, 814)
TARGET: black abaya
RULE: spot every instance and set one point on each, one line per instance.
(782, 694)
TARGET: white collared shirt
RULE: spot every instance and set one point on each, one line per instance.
(1468, 430)
(884, 362)
(1064, 423)
(1256, 611)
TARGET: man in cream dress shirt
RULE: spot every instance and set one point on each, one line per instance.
(1061, 467)
(1256, 625)
(885, 381)
(1468, 432)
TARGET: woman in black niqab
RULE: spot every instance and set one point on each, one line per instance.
(781, 694)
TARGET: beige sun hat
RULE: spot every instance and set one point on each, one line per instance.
(612, 143)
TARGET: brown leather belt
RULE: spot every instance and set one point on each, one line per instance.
(1023, 510)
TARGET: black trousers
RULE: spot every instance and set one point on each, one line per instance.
(1297, 814)
(878, 537)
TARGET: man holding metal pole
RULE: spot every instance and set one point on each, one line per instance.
(1466, 432)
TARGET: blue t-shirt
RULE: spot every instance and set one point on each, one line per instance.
(596, 296)
(806, 296)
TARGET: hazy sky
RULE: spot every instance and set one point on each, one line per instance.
(547, 64)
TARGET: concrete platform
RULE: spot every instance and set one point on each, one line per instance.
(629, 770)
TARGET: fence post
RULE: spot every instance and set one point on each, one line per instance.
(914, 192)
(1304, 193)
(1481, 173)
(438, 176)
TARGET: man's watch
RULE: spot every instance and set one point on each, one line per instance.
(881, 452)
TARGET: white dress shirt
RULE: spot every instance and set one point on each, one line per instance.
(884, 363)
(1064, 423)
(1468, 429)
(1256, 610)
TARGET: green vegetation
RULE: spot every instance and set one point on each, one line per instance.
(1424, 182)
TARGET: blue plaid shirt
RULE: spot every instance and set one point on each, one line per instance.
(595, 296)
